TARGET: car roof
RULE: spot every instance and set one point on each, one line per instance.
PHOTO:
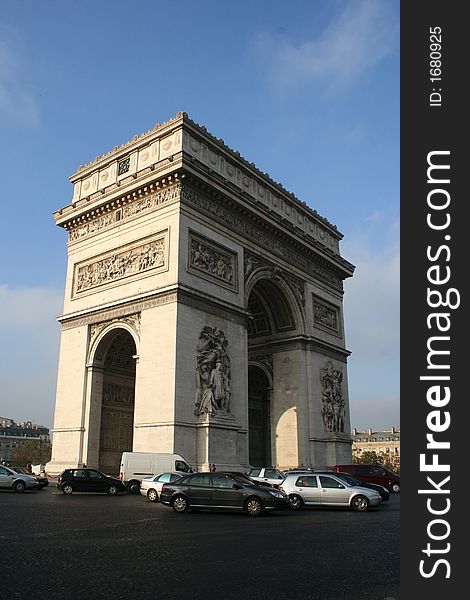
(168, 473)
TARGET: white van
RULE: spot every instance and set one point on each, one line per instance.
(136, 466)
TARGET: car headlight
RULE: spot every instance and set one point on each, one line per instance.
(276, 494)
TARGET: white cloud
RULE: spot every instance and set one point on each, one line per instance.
(29, 352)
(372, 323)
(359, 37)
(16, 100)
(29, 308)
(371, 302)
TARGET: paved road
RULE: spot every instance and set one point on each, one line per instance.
(93, 546)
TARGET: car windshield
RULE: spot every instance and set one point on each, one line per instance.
(20, 470)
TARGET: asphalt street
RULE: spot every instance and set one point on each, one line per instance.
(94, 546)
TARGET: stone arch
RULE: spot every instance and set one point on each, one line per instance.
(111, 378)
(102, 331)
(276, 324)
(280, 291)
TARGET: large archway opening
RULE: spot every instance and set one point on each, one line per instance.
(116, 355)
(271, 320)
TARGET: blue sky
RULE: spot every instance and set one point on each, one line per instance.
(309, 91)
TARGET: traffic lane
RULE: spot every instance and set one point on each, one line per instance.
(142, 548)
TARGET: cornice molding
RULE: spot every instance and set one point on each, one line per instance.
(305, 255)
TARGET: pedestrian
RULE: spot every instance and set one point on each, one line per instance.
(29, 466)
(212, 467)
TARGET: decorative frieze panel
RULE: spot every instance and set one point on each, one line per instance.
(212, 261)
(333, 404)
(120, 314)
(118, 395)
(226, 215)
(124, 262)
(325, 315)
(124, 209)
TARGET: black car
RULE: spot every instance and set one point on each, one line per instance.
(221, 491)
(384, 493)
(42, 481)
(88, 480)
(245, 478)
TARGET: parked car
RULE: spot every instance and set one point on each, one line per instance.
(42, 481)
(88, 480)
(136, 466)
(384, 493)
(311, 489)
(267, 474)
(372, 474)
(19, 482)
(221, 491)
(246, 477)
(152, 486)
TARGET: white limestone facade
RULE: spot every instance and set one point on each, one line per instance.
(202, 312)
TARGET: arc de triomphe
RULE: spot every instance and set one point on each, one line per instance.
(202, 312)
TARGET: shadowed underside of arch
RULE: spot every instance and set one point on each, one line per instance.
(270, 310)
(272, 318)
(116, 353)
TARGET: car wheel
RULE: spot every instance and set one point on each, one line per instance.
(180, 504)
(113, 490)
(134, 487)
(19, 487)
(395, 488)
(152, 495)
(360, 503)
(254, 507)
(295, 501)
(67, 489)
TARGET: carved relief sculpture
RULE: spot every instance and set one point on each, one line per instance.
(212, 371)
(132, 261)
(212, 261)
(118, 394)
(325, 316)
(333, 409)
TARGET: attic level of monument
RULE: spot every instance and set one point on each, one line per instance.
(203, 313)
(180, 145)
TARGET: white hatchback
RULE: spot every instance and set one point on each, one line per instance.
(267, 475)
(152, 486)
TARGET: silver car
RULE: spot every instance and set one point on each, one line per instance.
(10, 479)
(312, 489)
(152, 486)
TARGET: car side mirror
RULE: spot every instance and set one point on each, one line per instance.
(236, 486)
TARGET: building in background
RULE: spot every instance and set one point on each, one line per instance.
(384, 443)
(14, 434)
